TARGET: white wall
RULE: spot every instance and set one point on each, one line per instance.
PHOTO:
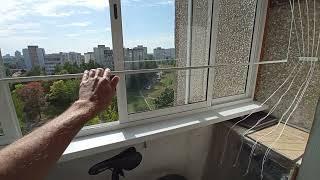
(183, 153)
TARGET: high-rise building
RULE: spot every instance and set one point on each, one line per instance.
(51, 61)
(74, 57)
(33, 56)
(134, 55)
(19, 60)
(89, 56)
(64, 57)
(17, 54)
(160, 53)
(71, 57)
(2, 72)
(103, 55)
(139, 53)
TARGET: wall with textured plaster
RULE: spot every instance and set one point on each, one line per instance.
(276, 39)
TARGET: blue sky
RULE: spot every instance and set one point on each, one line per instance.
(79, 25)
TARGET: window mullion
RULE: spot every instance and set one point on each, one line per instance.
(260, 19)
(117, 43)
(189, 50)
(213, 44)
(9, 119)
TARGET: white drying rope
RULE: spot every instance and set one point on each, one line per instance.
(308, 26)
(301, 23)
(255, 110)
(260, 120)
(314, 26)
(288, 50)
(306, 84)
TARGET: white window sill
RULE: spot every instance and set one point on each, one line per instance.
(97, 143)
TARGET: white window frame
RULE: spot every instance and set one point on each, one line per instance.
(11, 124)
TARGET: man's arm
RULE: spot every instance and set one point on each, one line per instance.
(32, 156)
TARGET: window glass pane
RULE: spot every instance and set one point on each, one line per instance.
(156, 36)
(1, 130)
(39, 102)
(157, 93)
(234, 39)
(55, 37)
(152, 91)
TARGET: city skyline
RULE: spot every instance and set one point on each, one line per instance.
(4, 54)
(78, 25)
(35, 56)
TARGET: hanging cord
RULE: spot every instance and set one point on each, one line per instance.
(290, 75)
(305, 84)
(260, 120)
(301, 23)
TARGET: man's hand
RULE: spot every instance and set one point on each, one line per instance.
(41, 149)
(97, 89)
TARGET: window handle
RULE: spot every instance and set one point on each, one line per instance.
(115, 11)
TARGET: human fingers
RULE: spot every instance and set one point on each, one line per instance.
(107, 74)
(99, 72)
(85, 75)
(92, 73)
(115, 81)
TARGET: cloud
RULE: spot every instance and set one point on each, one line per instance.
(12, 29)
(147, 3)
(23, 26)
(16, 9)
(165, 2)
(73, 35)
(75, 24)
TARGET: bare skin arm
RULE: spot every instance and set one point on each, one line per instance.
(32, 156)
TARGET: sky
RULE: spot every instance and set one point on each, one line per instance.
(80, 25)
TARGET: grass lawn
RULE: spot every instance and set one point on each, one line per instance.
(136, 102)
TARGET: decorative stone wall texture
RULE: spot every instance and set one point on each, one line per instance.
(270, 77)
(181, 33)
(200, 37)
(234, 39)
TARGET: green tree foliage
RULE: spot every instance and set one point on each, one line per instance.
(19, 105)
(36, 71)
(63, 92)
(68, 68)
(165, 99)
(108, 115)
(140, 81)
(8, 72)
(111, 114)
(34, 108)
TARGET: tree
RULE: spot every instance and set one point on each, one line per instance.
(68, 68)
(139, 81)
(62, 93)
(8, 72)
(90, 65)
(35, 71)
(32, 95)
(165, 99)
(19, 105)
(108, 115)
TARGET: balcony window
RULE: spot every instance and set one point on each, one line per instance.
(170, 56)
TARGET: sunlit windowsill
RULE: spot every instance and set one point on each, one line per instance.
(97, 143)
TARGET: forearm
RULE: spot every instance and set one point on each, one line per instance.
(33, 155)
